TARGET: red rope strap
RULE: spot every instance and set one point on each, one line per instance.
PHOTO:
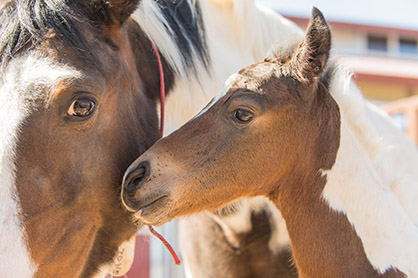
(165, 242)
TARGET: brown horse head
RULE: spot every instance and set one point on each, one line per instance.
(78, 87)
(255, 138)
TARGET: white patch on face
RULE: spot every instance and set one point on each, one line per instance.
(364, 185)
(228, 84)
(22, 75)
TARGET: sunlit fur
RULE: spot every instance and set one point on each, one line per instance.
(239, 32)
(190, 94)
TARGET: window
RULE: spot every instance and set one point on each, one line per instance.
(377, 43)
(408, 46)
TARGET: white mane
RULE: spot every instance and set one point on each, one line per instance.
(375, 181)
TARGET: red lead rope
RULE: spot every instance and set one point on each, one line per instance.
(162, 97)
(167, 245)
(162, 87)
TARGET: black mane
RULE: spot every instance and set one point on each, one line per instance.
(24, 24)
(188, 26)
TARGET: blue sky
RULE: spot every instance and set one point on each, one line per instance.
(389, 13)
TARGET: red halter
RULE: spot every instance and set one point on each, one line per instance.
(162, 87)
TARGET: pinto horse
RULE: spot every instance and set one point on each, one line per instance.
(79, 85)
(292, 128)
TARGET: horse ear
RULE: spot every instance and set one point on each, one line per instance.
(313, 52)
(115, 11)
(122, 9)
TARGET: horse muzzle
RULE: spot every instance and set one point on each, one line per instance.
(138, 194)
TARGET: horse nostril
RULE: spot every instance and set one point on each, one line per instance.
(135, 178)
(133, 184)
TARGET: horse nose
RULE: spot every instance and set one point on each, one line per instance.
(132, 182)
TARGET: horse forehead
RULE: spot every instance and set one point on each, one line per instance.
(254, 76)
(33, 72)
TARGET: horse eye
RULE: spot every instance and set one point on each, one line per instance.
(82, 107)
(244, 116)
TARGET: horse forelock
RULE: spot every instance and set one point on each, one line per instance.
(26, 24)
(381, 192)
(177, 29)
(22, 75)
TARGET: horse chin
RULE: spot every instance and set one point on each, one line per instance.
(155, 212)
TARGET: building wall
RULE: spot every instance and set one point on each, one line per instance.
(386, 92)
(348, 41)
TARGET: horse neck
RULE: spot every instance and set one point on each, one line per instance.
(324, 243)
(375, 197)
(347, 222)
(322, 240)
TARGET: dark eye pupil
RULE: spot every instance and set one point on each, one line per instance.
(82, 107)
(243, 115)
